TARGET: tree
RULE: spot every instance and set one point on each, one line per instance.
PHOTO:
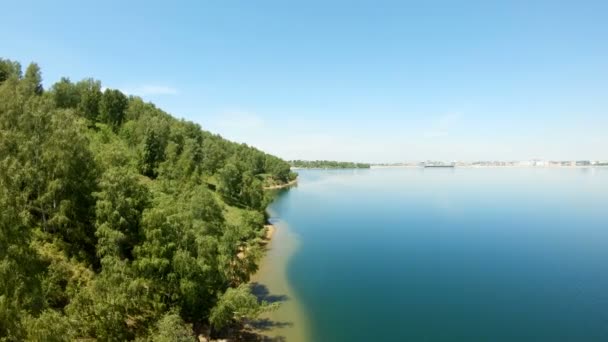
(116, 306)
(214, 155)
(20, 267)
(50, 326)
(235, 305)
(9, 69)
(90, 98)
(153, 152)
(56, 171)
(112, 107)
(206, 209)
(230, 179)
(252, 192)
(65, 94)
(120, 203)
(171, 328)
(32, 80)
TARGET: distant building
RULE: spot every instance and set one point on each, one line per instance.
(538, 162)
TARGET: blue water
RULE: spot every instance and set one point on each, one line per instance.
(451, 254)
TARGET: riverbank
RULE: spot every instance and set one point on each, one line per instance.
(282, 186)
(270, 283)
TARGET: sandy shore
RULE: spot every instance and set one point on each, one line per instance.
(270, 283)
(270, 229)
(281, 186)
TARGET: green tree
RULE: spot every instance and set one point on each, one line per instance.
(153, 152)
(112, 107)
(230, 179)
(214, 155)
(252, 192)
(90, 98)
(56, 171)
(65, 94)
(9, 69)
(20, 268)
(236, 305)
(171, 328)
(32, 80)
(50, 326)
(116, 306)
(120, 203)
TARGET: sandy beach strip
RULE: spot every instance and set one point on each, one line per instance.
(281, 186)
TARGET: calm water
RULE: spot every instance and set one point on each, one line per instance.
(450, 254)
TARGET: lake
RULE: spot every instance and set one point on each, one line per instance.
(464, 254)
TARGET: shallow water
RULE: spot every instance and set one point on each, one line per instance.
(270, 284)
(449, 254)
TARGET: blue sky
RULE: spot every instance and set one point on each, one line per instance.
(348, 80)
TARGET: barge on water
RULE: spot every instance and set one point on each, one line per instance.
(439, 165)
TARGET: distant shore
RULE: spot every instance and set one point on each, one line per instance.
(330, 168)
(494, 167)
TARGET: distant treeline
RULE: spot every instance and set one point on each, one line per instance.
(327, 164)
(119, 222)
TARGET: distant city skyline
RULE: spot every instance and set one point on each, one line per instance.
(367, 81)
(532, 162)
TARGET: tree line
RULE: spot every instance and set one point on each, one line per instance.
(327, 164)
(120, 222)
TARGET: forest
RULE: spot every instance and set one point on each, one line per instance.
(327, 164)
(120, 222)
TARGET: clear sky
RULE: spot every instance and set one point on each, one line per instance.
(353, 80)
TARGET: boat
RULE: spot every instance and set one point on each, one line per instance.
(438, 164)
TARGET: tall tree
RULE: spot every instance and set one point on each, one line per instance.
(90, 98)
(112, 107)
(214, 154)
(65, 94)
(230, 179)
(9, 69)
(32, 80)
(252, 192)
(153, 152)
(120, 203)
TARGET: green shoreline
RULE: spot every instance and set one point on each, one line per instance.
(288, 322)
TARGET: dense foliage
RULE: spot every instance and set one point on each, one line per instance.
(327, 164)
(118, 221)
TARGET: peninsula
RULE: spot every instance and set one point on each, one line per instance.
(326, 164)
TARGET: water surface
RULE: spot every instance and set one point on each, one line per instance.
(450, 254)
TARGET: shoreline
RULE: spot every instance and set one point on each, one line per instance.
(331, 168)
(269, 233)
(270, 283)
(492, 167)
(281, 186)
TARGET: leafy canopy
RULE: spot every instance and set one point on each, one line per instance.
(118, 221)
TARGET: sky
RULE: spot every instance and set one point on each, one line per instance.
(368, 81)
